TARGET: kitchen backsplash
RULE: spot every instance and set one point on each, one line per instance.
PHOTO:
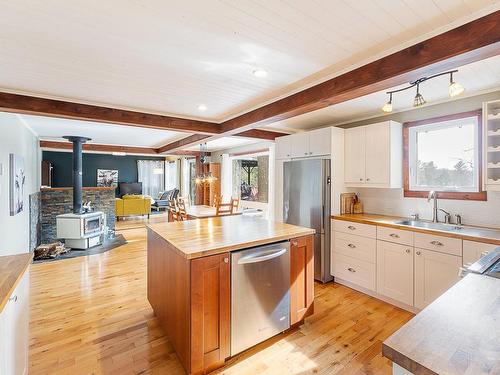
(392, 202)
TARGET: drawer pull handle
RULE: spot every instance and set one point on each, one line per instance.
(13, 298)
(350, 269)
(436, 243)
(418, 253)
(352, 246)
(408, 251)
(484, 253)
(226, 260)
(394, 235)
(351, 227)
(295, 243)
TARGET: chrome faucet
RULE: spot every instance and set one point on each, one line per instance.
(433, 195)
(447, 216)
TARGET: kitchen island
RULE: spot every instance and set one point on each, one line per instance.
(189, 280)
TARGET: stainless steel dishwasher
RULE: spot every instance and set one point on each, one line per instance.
(260, 294)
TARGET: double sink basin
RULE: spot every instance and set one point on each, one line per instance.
(458, 229)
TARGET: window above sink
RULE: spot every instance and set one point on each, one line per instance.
(444, 154)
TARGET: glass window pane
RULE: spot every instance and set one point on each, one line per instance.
(445, 156)
(250, 178)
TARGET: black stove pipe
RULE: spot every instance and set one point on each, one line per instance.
(77, 171)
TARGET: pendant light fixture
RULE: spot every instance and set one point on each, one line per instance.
(204, 178)
(454, 89)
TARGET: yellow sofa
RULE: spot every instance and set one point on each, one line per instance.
(132, 205)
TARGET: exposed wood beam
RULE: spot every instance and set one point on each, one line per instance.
(261, 134)
(184, 142)
(113, 148)
(57, 108)
(471, 42)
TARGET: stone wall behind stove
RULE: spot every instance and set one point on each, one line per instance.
(57, 201)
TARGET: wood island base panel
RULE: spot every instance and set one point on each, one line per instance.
(191, 297)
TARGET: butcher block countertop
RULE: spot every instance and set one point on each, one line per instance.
(459, 333)
(12, 268)
(203, 237)
(488, 235)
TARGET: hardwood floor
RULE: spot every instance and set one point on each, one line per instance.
(90, 315)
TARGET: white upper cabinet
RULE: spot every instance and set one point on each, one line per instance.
(355, 156)
(320, 142)
(283, 147)
(374, 155)
(302, 145)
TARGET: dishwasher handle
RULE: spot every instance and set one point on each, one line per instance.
(255, 259)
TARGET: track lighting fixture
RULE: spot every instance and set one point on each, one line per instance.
(454, 89)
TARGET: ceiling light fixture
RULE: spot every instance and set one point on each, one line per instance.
(388, 106)
(204, 177)
(454, 89)
(260, 73)
(202, 107)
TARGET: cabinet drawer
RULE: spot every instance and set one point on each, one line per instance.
(358, 247)
(354, 270)
(442, 244)
(365, 230)
(473, 251)
(403, 237)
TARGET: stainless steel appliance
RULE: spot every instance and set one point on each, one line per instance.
(306, 202)
(488, 265)
(260, 296)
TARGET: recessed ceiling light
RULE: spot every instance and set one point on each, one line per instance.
(202, 107)
(260, 73)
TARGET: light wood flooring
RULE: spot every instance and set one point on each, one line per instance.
(90, 315)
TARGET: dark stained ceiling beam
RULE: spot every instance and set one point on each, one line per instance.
(31, 105)
(471, 42)
(113, 148)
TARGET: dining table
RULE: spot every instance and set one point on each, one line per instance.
(203, 211)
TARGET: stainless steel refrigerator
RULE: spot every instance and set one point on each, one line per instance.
(306, 202)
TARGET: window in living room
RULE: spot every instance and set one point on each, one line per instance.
(250, 177)
(444, 155)
(152, 175)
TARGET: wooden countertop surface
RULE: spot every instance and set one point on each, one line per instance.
(12, 268)
(459, 333)
(491, 236)
(210, 236)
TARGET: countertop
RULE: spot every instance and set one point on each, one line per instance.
(12, 268)
(459, 333)
(210, 236)
(488, 235)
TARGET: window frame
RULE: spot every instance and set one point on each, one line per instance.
(480, 195)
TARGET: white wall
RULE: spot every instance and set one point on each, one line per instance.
(16, 138)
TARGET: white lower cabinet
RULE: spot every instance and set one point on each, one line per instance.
(473, 251)
(434, 274)
(395, 271)
(355, 271)
(14, 331)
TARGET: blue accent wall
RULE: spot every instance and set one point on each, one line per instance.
(63, 167)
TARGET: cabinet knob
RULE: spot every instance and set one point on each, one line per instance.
(360, 179)
(13, 298)
(226, 260)
(418, 253)
(352, 246)
(408, 251)
(350, 269)
(367, 179)
(295, 243)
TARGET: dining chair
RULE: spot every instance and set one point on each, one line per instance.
(235, 204)
(181, 209)
(224, 209)
(172, 210)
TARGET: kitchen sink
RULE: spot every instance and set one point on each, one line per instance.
(462, 229)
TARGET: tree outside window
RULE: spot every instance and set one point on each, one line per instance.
(250, 178)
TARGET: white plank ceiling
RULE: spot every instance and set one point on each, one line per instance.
(171, 56)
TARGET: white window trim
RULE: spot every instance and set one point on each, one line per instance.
(412, 155)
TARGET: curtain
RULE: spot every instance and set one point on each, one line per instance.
(152, 175)
(171, 175)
